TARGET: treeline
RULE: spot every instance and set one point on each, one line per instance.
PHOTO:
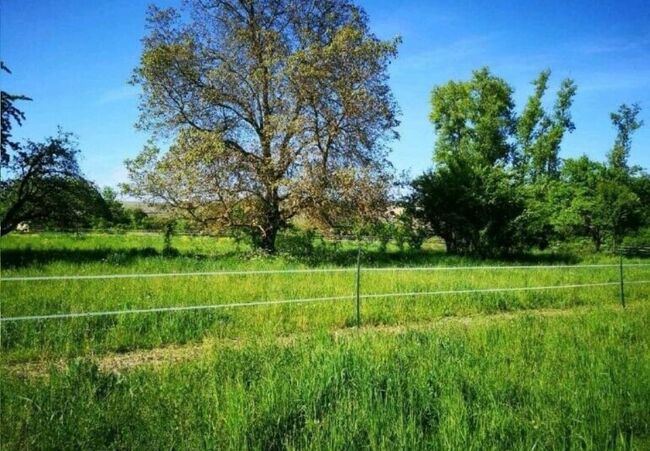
(42, 186)
(281, 117)
(499, 185)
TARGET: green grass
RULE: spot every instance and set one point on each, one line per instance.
(564, 382)
(57, 254)
(300, 376)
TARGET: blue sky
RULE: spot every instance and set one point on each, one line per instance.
(74, 58)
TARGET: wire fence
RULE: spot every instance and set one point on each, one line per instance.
(357, 295)
(307, 271)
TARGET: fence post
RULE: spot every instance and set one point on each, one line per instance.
(622, 285)
(358, 286)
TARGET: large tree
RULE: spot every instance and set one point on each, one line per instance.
(487, 193)
(604, 202)
(468, 199)
(537, 163)
(277, 107)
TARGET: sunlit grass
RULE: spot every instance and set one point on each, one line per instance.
(543, 369)
(105, 254)
(579, 381)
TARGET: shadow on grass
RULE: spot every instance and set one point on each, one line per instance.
(376, 257)
(20, 258)
(327, 255)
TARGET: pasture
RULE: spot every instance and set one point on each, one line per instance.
(534, 352)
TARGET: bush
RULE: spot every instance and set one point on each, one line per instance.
(297, 242)
(638, 239)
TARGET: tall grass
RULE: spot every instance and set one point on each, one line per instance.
(578, 381)
(97, 254)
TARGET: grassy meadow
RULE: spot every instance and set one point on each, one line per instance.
(559, 369)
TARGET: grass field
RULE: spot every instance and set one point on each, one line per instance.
(566, 368)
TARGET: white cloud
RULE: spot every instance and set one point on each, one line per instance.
(118, 94)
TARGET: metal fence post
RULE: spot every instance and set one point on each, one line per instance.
(358, 286)
(622, 285)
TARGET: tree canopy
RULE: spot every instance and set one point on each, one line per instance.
(42, 184)
(626, 122)
(275, 107)
(499, 185)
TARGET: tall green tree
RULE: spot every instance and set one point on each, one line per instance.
(279, 107)
(626, 122)
(493, 169)
(473, 120)
(540, 133)
(604, 201)
(539, 137)
(469, 198)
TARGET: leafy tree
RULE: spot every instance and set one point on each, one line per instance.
(472, 209)
(604, 201)
(626, 195)
(473, 120)
(10, 114)
(537, 164)
(116, 214)
(626, 123)
(141, 220)
(539, 133)
(590, 202)
(488, 192)
(469, 199)
(278, 108)
(577, 209)
(43, 184)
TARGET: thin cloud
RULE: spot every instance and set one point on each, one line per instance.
(615, 81)
(614, 46)
(118, 94)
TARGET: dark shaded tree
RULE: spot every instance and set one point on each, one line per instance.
(10, 115)
(43, 185)
(473, 210)
(116, 214)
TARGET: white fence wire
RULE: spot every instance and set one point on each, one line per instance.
(314, 300)
(305, 271)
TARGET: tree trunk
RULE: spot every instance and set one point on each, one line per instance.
(7, 227)
(597, 241)
(267, 243)
(272, 226)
